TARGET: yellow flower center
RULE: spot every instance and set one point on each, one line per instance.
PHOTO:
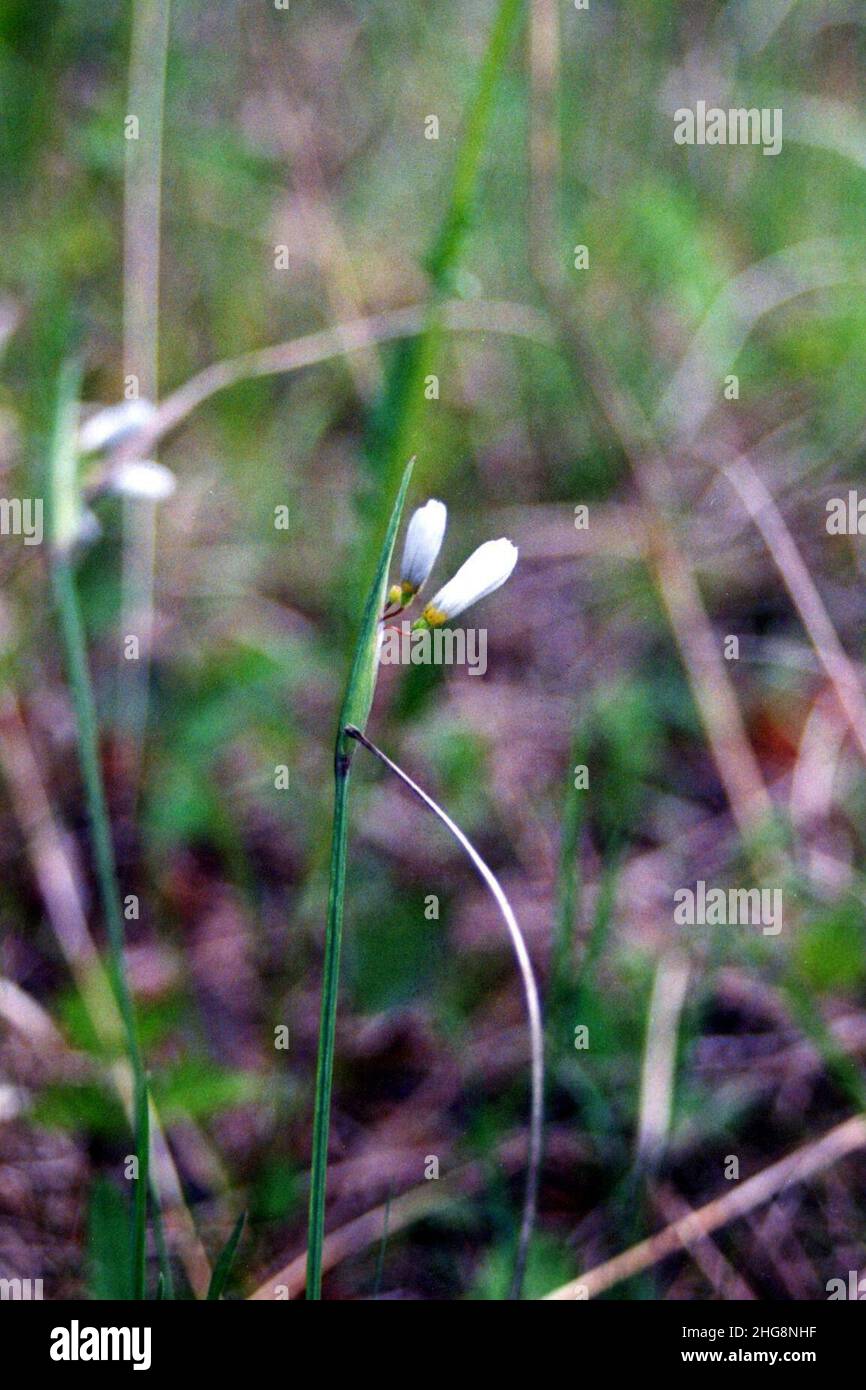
(434, 617)
(402, 593)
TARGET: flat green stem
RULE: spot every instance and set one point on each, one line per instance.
(328, 1023)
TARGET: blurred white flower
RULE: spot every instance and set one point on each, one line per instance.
(143, 478)
(486, 569)
(422, 545)
(109, 426)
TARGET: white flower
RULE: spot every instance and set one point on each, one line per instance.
(115, 422)
(423, 543)
(144, 478)
(487, 568)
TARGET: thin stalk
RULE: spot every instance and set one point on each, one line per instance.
(327, 1026)
(530, 991)
(142, 1147)
(74, 642)
(72, 632)
(355, 710)
(64, 514)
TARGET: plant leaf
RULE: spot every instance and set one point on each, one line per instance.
(223, 1266)
(142, 1145)
(108, 1263)
(365, 666)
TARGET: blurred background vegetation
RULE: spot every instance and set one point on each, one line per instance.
(558, 387)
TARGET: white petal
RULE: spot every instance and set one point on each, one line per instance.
(144, 478)
(487, 568)
(107, 427)
(423, 542)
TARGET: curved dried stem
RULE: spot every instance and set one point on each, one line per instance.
(530, 991)
(483, 316)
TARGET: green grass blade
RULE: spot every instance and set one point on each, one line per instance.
(458, 216)
(355, 711)
(365, 665)
(327, 1028)
(64, 506)
(109, 1270)
(142, 1148)
(72, 630)
(394, 432)
(223, 1266)
(602, 917)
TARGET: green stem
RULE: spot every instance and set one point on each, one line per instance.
(142, 1148)
(72, 629)
(355, 709)
(328, 1023)
(74, 642)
